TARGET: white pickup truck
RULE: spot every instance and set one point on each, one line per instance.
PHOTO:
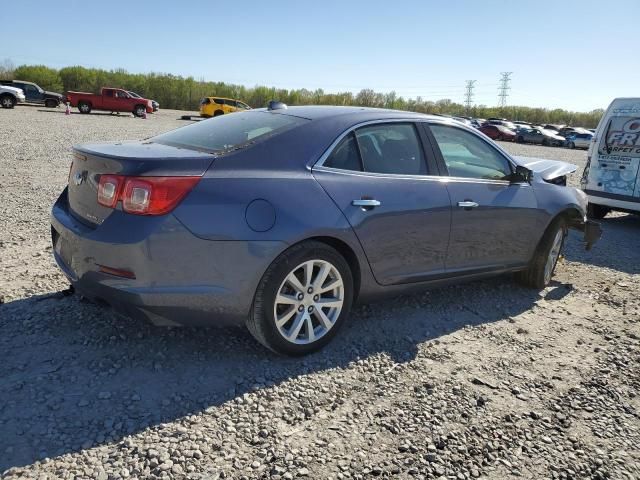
(9, 96)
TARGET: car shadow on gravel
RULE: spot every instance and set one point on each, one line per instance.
(74, 376)
(617, 249)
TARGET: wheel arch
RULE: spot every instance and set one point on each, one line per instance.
(344, 249)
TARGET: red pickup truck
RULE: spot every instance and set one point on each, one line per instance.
(110, 99)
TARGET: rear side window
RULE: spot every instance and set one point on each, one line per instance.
(345, 156)
(108, 93)
(228, 132)
(467, 155)
(231, 103)
(205, 101)
(219, 101)
(391, 148)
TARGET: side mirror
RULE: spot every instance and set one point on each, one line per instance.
(522, 174)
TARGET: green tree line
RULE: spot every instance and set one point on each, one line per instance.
(184, 93)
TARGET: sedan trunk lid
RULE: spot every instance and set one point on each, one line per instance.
(145, 158)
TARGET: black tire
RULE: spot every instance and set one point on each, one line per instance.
(217, 113)
(572, 145)
(520, 139)
(84, 107)
(545, 142)
(534, 276)
(49, 103)
(8, 101)
(139, 111)
(262, 323)
(597, 211)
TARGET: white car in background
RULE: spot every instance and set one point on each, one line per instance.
(579, 140)
(10, 96)
(610, 178)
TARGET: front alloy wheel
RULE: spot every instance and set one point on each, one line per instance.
(302, 300)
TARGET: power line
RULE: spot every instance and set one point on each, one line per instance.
(503, 89)
(468, 95)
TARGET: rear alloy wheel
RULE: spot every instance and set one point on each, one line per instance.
(139, 111)
(597, 211)
(50, 103)
(7, 101)
(540, 271)
(84, 107)
(302, 300)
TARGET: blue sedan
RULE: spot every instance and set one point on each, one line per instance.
(282, 218)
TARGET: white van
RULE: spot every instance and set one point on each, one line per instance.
(611, 178)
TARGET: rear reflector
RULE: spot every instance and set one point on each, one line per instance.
(144, 195)
(118, 272)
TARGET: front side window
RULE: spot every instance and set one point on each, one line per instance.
(229, 131)
(218, 101)
(467, 155)
(391, 148)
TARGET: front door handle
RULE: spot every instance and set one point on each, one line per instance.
(468, 204)
(366, 203)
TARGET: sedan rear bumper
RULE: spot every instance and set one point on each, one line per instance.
(178, 279)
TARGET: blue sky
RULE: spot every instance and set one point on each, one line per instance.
(569, 54)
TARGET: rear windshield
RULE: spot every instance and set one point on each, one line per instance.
(229, 132)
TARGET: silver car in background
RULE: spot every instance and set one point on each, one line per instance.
(540, 136)
(579, 140)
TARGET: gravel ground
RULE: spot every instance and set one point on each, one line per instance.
(482, 380)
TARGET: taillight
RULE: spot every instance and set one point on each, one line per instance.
(109, 189)
(144, 195)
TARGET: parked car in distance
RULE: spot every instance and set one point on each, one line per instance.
(110, 99)
(463, 120)
(281, 219)
(555, 128)
(478, 122)
(540, 136)
(155, 105)
(10, 96)
(566, 131)
(35, 94)
(504, 123)
(611, 176)
(216, 106)
(498, 132)
(579, 140)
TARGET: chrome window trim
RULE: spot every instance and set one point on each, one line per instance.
(319, 164)
(329, 150)
(433, 178)
(445, 122)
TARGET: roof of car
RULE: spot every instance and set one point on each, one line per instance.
(316, 112)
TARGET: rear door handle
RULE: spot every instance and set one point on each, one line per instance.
(366, 203)
(468, 204)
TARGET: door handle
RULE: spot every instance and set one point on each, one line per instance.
(468, 204)
(366, 203)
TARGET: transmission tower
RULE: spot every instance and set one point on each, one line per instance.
(503, 89)
(468, 95)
